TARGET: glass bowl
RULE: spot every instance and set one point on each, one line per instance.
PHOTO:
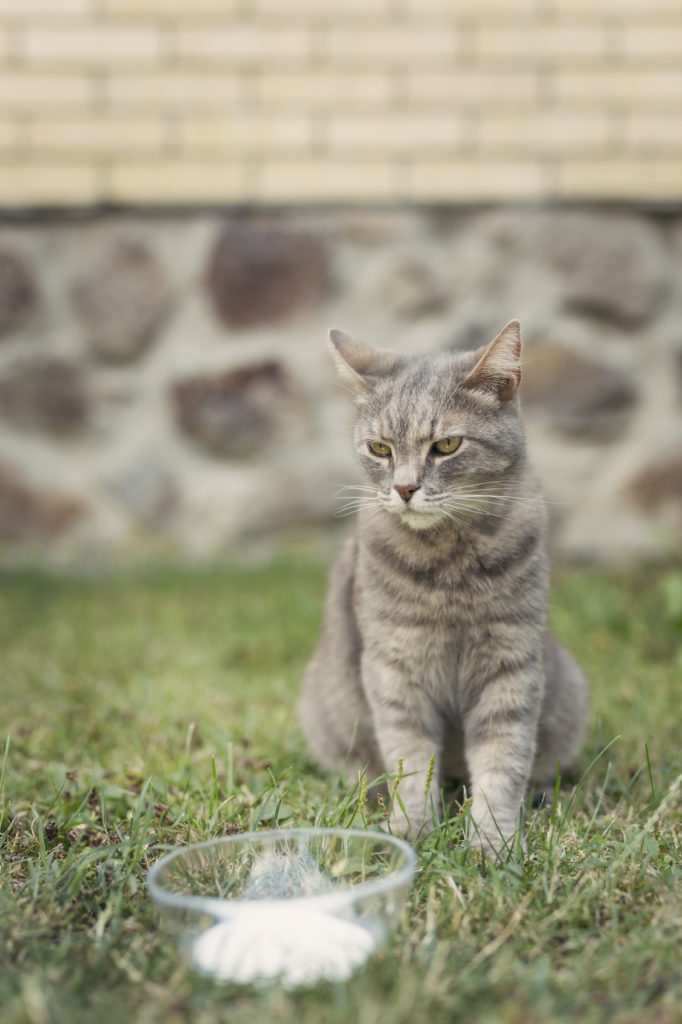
(293, 905)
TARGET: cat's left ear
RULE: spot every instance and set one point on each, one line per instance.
(498, 371)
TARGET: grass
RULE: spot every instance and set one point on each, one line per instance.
(152, 708)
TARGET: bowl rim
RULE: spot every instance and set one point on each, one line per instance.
(222, 909)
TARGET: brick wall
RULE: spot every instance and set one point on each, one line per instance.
(322, 100)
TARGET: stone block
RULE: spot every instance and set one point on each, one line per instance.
(658, 486)
(147, 490)
(409, 288)
(237, 413)
(44, 393)
(578, 395)
(121, 301)
(260, 272)
(611, 265)
(29, 514)
(18, 292)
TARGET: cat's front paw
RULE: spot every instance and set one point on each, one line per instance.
(493, 836)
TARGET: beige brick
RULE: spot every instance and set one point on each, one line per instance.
(537, 42)
(402, 45)
(22, 91)
(608, 8)
(331, 10)
(252, 134)
(173, 89)
(627, 88)
(92, 43)
(326, 180)
(42, 10)
(321, 87)
(395, 132)
(40, 183)
(8, 135)
(446, 8)
(544, 132)
(659, 43)
(473, 87)
(476, 181)
(96, 134)
(177, 182)
(654, 132)
(620, 179)
(243, 44)
(186, 10)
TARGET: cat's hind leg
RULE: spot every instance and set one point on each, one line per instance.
(332, 708)
(563, 715)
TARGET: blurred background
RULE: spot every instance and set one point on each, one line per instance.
(193, 191)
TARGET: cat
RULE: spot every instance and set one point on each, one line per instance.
(434, 651)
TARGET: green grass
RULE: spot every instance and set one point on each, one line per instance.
(154, 708)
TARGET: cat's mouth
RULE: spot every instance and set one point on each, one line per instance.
(416, 516)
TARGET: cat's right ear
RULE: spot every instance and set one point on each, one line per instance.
(359, 364)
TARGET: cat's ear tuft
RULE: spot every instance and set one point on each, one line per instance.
(358, 363)
(498, 371)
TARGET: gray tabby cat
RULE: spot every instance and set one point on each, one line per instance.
(434, 641)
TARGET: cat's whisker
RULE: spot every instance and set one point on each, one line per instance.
(356, 487)
(485, 496)
(466, 508)
(355, 504)
(344, 513)
(481, 487)
(448, 513)
(360, 503)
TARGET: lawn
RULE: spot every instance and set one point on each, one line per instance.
(148, 708)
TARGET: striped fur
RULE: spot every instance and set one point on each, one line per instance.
(434, 640)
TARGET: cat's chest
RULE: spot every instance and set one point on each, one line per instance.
(422, 596)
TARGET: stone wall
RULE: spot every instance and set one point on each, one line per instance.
(165, 386)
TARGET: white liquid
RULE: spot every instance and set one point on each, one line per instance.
(294, 945)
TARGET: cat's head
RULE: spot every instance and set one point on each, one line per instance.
(437, 435)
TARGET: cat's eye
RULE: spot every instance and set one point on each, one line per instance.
(446, 445)
(379, 448)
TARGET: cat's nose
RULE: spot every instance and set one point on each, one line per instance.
(406, 490)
